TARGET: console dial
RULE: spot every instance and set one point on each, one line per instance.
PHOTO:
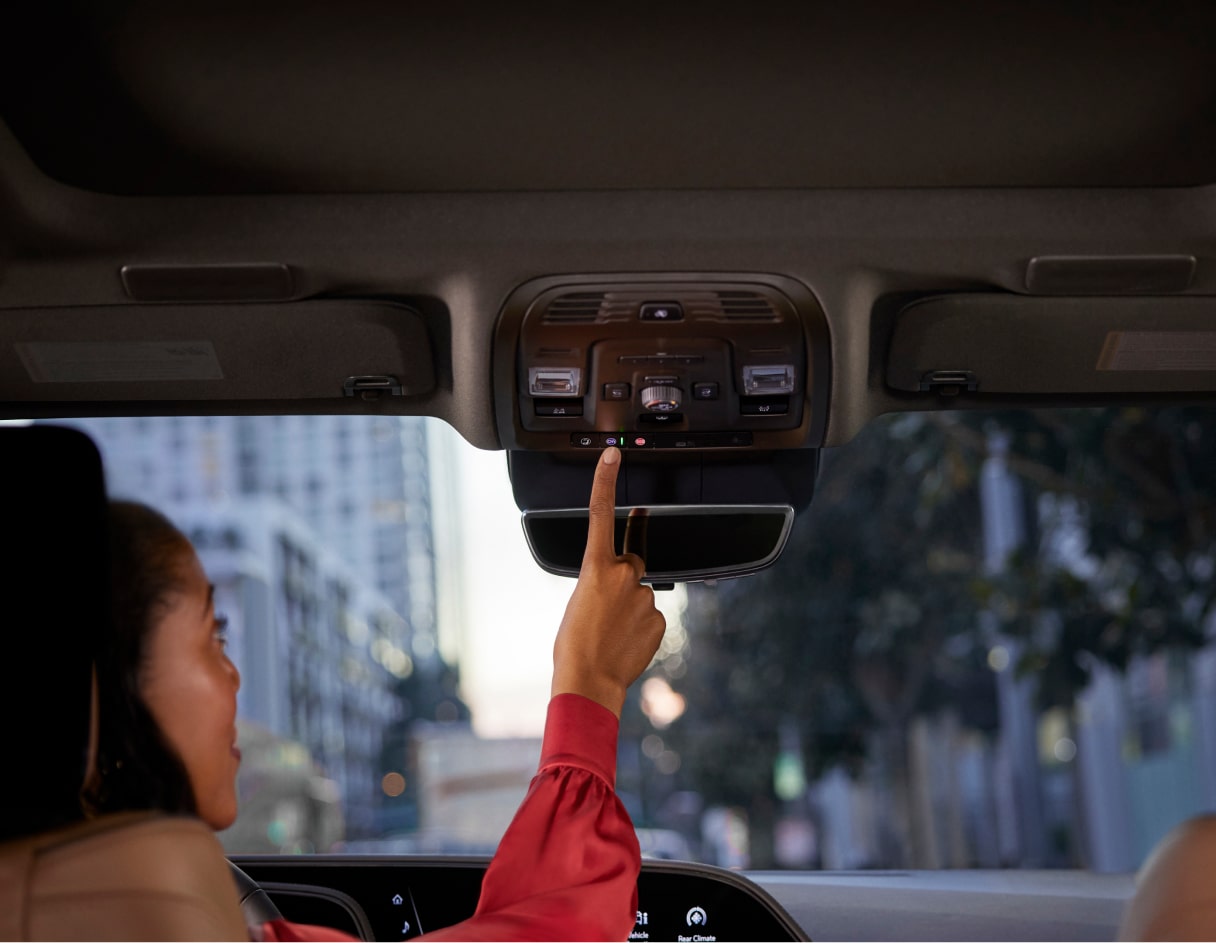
(661, 398)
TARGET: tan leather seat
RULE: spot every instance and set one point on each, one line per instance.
(1175, 895)
(132, 876)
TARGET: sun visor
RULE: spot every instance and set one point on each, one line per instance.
(306, 350)
(1014, 344)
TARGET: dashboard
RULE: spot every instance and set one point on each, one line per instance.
(385, 898)
(689, 902)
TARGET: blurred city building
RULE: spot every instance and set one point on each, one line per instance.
(316, 531)
(362, 483)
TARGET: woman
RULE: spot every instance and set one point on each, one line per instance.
(567, 866)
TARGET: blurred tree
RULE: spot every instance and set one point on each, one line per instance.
(872, 600)
(877, 609)
(1126, 549)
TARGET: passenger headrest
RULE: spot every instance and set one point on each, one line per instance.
(55, 579)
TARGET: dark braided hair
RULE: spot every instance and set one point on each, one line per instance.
(136, 768)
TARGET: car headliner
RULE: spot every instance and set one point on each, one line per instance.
(872, 152)
(280, 97)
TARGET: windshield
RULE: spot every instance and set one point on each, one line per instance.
(985, 645)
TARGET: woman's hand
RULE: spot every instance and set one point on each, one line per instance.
(611, 628)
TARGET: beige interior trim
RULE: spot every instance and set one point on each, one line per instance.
(130, 876)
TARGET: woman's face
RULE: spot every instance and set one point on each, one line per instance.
(189, 686)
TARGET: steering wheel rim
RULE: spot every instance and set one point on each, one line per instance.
(256, 905)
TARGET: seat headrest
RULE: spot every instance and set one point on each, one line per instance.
(56, 576)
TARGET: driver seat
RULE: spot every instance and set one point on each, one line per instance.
(128, 876)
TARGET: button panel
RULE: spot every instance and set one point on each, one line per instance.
(696, 387)
(662, 440)
(705, 359)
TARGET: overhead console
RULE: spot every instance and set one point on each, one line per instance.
(715, 386)
(661, 363)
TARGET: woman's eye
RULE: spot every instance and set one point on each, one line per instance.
(219, 630)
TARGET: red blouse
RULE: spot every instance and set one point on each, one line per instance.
(567, 867)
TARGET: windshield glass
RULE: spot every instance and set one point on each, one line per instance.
(985, 645)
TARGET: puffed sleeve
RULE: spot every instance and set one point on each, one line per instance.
(567, 867)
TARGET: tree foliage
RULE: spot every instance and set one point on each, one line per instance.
(1126, 543)
(882, 607)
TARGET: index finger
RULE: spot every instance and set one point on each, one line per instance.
(601, 509)
(635, 533)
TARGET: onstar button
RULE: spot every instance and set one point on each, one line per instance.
(639, 441)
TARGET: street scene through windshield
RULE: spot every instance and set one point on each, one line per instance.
(986, 644)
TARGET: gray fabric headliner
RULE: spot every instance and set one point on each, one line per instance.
(65, 247)
(370, 96)
(464, 252)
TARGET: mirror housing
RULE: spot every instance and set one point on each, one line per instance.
(710, 515)
(683, 543)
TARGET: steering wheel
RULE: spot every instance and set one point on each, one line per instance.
(256, 904)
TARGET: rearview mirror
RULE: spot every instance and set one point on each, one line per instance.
(683, 543)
